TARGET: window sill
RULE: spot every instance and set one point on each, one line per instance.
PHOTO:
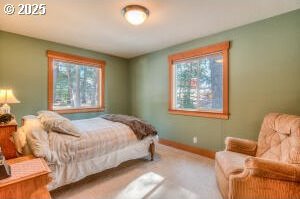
(223, 116)
(81, 110)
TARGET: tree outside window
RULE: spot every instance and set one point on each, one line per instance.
(199, 82)
(76, 84)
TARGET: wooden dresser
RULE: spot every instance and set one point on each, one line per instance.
(28, 180)
(6, 140)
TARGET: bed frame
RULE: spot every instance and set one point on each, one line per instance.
(152, 151)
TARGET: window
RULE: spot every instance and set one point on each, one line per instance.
(199, 82)
(75, 84)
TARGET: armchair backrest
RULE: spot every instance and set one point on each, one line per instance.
(279, 138)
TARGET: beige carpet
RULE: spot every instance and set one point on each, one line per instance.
(173, 174)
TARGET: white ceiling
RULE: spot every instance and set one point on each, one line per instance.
(98, 24)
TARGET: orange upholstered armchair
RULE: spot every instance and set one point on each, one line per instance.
(267, 169)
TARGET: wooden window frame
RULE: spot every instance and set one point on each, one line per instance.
(222, 48)
(53, 55)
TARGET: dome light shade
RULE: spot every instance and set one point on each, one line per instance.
(135, 14)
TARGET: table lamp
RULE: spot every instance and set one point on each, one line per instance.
(7, 97)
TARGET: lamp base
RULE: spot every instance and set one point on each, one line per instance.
(5, 109)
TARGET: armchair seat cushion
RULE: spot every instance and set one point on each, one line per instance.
(230, 162)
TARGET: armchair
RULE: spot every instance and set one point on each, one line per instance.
(267, 169)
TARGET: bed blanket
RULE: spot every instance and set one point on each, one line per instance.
(140, 128)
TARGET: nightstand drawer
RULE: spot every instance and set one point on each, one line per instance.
(6, 141)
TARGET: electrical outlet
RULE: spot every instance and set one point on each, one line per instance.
(195, 140)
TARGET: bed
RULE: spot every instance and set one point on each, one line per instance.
(102, 144)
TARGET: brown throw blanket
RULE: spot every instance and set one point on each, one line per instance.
(140, 128)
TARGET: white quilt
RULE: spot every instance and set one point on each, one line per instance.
(98, 137)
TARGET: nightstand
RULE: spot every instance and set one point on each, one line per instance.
(6, 140)
(29, 179)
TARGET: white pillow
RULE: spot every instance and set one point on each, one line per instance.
(38, 142)
(52, 121)
(20, 139)
(23, 134)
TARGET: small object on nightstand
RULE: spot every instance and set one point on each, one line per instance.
(5, 171)
(6, 141)
(6, 118)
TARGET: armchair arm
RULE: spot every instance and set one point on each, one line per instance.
(272, 169)
(238, 145)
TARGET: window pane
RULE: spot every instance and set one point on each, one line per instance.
(75, 86)
(199, 83)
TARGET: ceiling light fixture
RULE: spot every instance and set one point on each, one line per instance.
(135, 14)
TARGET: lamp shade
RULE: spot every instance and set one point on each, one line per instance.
(7, 97)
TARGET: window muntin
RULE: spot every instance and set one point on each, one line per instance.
(76, 84)
(199, 82)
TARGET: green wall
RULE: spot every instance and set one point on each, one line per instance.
(23, 67)
(264, 74)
